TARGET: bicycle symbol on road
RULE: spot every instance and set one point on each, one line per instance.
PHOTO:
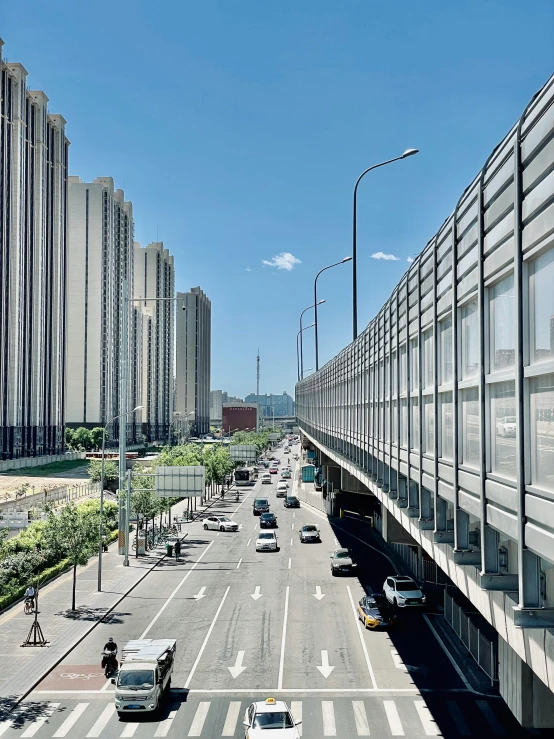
(81, 675)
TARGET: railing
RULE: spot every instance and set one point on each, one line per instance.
(483, 651)
(39, 496)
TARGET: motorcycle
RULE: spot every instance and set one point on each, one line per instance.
(237, 497)
(109, 662)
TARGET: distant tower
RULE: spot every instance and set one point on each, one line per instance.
(258, 387)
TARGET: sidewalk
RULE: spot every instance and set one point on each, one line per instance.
(23, 668)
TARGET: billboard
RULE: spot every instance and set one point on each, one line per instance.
(239, 416)
(180, 482)
(243, 453)
(274, 437)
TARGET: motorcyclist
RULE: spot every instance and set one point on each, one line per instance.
(30, 595)
(109, 652)
(237, 496)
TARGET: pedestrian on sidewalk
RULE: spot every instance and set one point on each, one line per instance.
(177, 549)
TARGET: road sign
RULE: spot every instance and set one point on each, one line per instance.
(243, 452)
(180, 482)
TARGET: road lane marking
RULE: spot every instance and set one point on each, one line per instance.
(290, 561)
(425, 716)
(40, 721)
(72, 719)
(362, 640)
(397, 660)
(447, 652)
(173, 594)
(199, 718)
(296, 710)
(200, 593)
(218, 533)
(294, 514)
(256, 594)
(328, 714)
(129, 729)
(101, 721)
(7, 723)
(237, 668)
(395, 724)
(198, 658)
(283, 639)
(165, 725)
(248, 542)
(231, 720)
(458, 717)
(336, 541)
(292, 525)
(318, 594)
(490, 718)
(325, 668)
(239, 564)
(362, 727)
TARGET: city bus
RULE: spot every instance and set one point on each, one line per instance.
(244, 477)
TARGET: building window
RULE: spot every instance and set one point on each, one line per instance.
(403, 370)
(446, 450)
(503, 428)
(428, 359)
(541, 297)
(394, 422)
(542, 430)
(470, 427)
(428, 441)
(414, 429)
(414, 365)
(469, 339)
(445, 350)
(404, 423)
(502, 324)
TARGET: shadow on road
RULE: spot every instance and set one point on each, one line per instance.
(86, 613)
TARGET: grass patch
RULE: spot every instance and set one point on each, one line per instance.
(43, 470)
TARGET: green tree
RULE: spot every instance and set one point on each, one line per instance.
(69, 440)
(82, 440)
(73, 535)
(96, 437)
(111, 473)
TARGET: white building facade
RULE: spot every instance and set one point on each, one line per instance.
(216, 405)
(33, 231)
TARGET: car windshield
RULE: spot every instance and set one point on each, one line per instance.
(407, 586)
(309, 528)
(291, 499)
(342, 554)
(267, 516)
(277, 720)
(267, 535)
(136, 679)
(261, 501)
(224, 518)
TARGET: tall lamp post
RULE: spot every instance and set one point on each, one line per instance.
(407, 153)
(306, 370)
(299, 341)
(102, 482)
(300, 360)
(336, 264)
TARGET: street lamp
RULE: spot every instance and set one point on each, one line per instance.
(336, 264)
(407, 153)
(299, 361)
(306, 370)
(101, 525)
(299, 340)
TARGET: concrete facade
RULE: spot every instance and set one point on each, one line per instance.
(193, 359)
(33, 242)
(443, 408)
(216, 405)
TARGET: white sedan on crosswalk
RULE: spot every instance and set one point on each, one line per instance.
(270, 715)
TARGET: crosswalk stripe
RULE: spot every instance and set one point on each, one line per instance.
(490, 718)
(425, 716)
(101, 721)
(296, 710)
(362, 727)
(199, 718)
(231, 720)
(7, 723)
(458, 717)
(40, 720)
(72, 719)
(129, 729)
(393, 718)
(328, 713)
(165, 725)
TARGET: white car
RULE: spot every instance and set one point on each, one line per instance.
(267, 542)
(266, 478)
(272, 716)
(506, 426)
(220, 523)
(403, 592)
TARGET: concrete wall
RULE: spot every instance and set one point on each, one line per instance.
(17, 464)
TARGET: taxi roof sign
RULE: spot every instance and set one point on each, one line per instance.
(270, 701)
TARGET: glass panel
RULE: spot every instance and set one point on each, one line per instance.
(404, 423)
(394, 422)
(414, 365)
(469, 343)
(445, 348)
(542, 431)
(403, 370)
(414, 430)
(394, 374)
(502, 324)
(428, 359)
(541, 280)
(503, 428)
(387, 421)
(470, 427)
(447, 426)
(428, 426)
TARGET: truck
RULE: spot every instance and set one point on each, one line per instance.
(308, 473)
(144, 675)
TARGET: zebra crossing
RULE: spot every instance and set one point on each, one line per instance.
(413, 716)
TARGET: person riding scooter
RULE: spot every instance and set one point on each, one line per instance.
(109, 657)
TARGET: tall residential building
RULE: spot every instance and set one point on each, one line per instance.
(193, 360)
(33, 232)
(100, 256)
(216, 405)
(273, 405)
(226, 398)
(154, 277)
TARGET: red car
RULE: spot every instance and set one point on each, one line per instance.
(273, 470)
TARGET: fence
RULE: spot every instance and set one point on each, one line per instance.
(22, 462)
(54, 496)
(483, 651)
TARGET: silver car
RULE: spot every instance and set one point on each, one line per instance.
(309, 532)
(342, 562)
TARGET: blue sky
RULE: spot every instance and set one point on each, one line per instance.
(238, 129)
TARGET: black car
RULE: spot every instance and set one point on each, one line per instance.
(268, 521)
(291, 501)
(375, 612)
(343, 562)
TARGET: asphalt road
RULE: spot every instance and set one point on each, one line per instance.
(249, 625)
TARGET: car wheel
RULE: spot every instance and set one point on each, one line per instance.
(333, 573)
(205, 527)
(395, 602)
(120, 714)
(222, 528)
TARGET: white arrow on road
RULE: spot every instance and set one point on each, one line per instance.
(318, 594)
(325, 668)
(199, 594)
(256, 594)
(238, 668)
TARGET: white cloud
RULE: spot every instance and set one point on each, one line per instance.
(381, 255)
(284, 260)
(249, 269)
(409, 260)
